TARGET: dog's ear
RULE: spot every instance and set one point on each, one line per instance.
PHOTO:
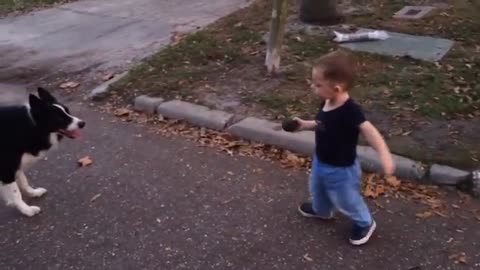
(45, 95)
(35, 102)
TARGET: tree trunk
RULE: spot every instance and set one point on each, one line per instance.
(277, 30)
(322, 12)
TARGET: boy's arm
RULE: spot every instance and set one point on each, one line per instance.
(306, 124)
(376, 140)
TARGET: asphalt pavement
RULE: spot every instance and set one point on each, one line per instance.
(154, 202)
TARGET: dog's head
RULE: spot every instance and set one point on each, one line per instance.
(53, 116)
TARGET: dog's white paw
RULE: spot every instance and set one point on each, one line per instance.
(37, 192)
(30, 211)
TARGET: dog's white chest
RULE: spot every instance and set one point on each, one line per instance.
(29, 159)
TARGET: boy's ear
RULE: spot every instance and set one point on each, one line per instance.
(45, 95)
(338, 88)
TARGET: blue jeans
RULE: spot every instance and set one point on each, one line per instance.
(338, 188)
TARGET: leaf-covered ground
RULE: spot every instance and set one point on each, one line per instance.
(426, 111)
(432, 198)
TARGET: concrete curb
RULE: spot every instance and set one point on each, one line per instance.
(147, 104)
(195, 114)
(267, 132)
(404, 168)
(101, 91)
(446, 175)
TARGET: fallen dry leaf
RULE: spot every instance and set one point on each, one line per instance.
(425, 214)
(258, 171)
(307, 258)
(299, 38)
(176, 37)
(85, 161)
(369, 193)
(459, 257)
(438, 213)
(463, 259)
(94, 198)
(290, 160)
(69, 84)
(227, 201)
(292, 157)
(108, 76)
(369, 178)
(122, 112)
(393, 181)
(380, 190)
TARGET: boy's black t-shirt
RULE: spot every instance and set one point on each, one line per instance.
(336, 134)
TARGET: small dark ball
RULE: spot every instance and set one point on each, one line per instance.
(290, 125)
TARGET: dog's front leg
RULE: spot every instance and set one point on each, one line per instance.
(11, 193)
(25, 187)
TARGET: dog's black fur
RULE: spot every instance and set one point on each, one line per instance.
(27, 132)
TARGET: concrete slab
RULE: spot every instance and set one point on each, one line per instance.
(476, 183)
(406, 169)
(99, 34)
(263, 131)
(413, 12)
(418, 47)
(147, 104)
(101, 91)
(195, 114)
(445, 175)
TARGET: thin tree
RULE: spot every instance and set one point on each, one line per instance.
(277, 31)
(323, 12)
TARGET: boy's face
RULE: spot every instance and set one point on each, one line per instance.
(322, 87)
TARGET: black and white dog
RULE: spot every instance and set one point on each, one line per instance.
(27, 133)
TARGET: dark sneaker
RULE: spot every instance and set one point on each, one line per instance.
(306, 210)
(361, 235)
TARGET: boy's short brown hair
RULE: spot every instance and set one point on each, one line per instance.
(337, 67)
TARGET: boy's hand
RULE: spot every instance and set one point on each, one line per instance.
(388, 165)
(375, 139)
(297, 124)
(305, 124)
(291, 125)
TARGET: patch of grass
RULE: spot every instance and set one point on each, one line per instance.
(443, 89)
(200, 58)
(8, 6)
(198, 49)
(282, 106)
(177, 69)
(304, 47)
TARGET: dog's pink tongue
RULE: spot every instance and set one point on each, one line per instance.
(75, 134)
